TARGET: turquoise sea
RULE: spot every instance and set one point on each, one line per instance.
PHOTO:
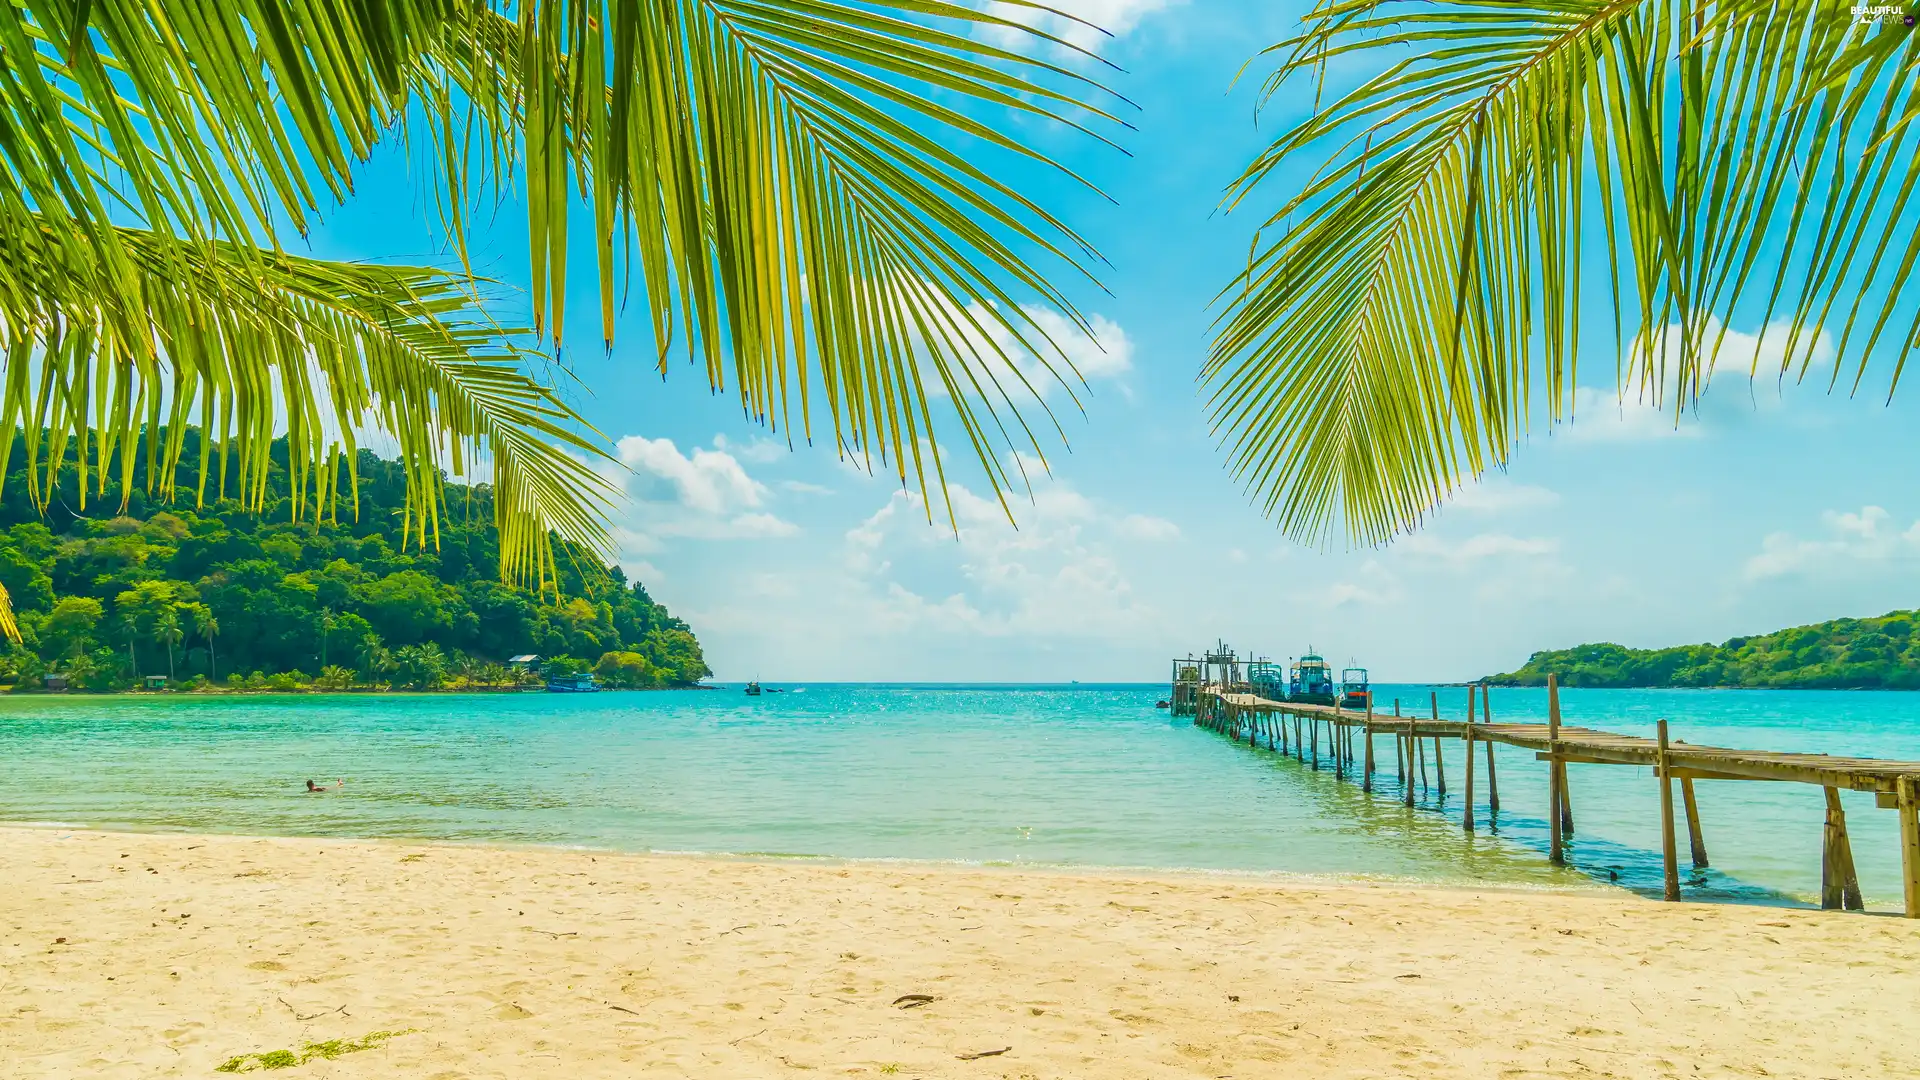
(1080, 776)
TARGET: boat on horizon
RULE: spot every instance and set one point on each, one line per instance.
(753, 688)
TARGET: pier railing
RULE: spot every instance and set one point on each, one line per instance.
(1895, 784)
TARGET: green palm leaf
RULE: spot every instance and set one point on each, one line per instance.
(809, 193)
(1422, 295)
(246, 345)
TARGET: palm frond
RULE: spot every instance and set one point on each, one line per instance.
(248, 345)
(804, 189)
(1423, 293)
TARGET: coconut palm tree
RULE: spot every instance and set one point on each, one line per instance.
(166, 630)
(1414, 302)
(811, 197)
(208, 627)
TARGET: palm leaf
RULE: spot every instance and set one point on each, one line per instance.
(803, 188)
(1418, 298)
(248, 344)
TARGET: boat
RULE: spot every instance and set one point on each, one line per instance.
(1354, 693)
(1310, 681)
(583, 683)
(753, 688)
(1161, 704)
(1267, 679)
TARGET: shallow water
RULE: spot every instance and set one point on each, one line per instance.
(1053, 776)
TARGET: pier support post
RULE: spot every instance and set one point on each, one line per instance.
(1299, 748)
(1696, 843)
(1493, 779)
(1556, 852)
(1439, 763)
(1420, 751)
(1839, 886)
(1909, 802)
(1669, 857)
(1566, 800)
(1336, 740)
(1366, 783)
(1313, 726)
(1466, 820)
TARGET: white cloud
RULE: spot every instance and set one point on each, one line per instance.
(1602, 416)
(1147, 527)
(1496, 494)
(1475, 548)
(1116, 17)
(1049, 579)
(801, 487)
(760, 451)
(1741, 368)
(706, 494)
(1869, 536)
(1105, 354)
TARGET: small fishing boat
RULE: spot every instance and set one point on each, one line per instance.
(1310, 680)
(753, 688)
(1354, 693)
(583, 683)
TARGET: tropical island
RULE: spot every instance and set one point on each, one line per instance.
(167, 594)
(1839, 654)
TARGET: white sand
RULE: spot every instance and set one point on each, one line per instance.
(182, 952)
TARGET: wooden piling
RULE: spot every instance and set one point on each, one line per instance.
(1839, 885)
(1466, 819)
(1313, 726)
(1908, 800)
(1366, 783)
(1670, 858)
(1439, 763)
(1493, 778)
(1696, 843)
(1566, 801)
(1556, 850)
(1420, 750)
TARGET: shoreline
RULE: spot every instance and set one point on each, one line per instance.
(1089, 871)
(146, 954)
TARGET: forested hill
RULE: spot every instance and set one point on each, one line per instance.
(1843, 654)
(261, 602)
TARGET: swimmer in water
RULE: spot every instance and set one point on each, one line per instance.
(313, 787)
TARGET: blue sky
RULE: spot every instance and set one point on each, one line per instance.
(1766, 509)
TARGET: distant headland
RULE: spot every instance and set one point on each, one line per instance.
(1840, 654)
(116, 593)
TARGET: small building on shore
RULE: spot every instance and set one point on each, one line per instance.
(524, 662)
(56, 684)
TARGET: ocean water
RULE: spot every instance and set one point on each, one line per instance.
(1080, 776)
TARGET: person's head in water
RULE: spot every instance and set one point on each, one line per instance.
(311, 786)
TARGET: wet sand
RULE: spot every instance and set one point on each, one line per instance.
(147, 955)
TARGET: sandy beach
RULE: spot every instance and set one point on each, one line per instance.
(148, 955)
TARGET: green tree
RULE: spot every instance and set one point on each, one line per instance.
(860, 193)
(1418, 292)
(69, 629)
(626, 671)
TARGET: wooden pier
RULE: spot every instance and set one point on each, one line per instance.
(1206, 690)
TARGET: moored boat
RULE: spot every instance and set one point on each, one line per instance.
(582, 683)
(1310, 681)
(1354, 690)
